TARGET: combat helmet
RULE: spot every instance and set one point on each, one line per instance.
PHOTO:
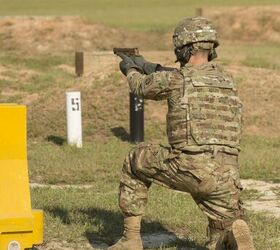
(193, 30)
(198, 32)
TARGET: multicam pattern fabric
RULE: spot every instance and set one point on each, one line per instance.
(203, 128)
(213, 106)
(192, 30)
(210, 110)
(213, 182)
(203, 107)
(156, 86)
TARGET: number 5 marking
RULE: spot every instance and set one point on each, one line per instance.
(75, 104)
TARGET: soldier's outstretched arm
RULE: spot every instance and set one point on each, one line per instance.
(155, 86)
(146, 66)
(149, 67)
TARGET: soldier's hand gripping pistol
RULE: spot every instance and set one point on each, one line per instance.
(132, 59)
(127, 63)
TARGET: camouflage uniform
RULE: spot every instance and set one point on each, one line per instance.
(203, 127)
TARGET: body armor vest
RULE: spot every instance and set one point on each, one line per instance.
(207, 112)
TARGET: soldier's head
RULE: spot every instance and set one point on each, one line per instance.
(193, 35)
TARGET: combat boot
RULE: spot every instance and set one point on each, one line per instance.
(240, 237)
(131, 239)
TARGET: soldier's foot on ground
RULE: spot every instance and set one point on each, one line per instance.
(127, 244)
(242, 236)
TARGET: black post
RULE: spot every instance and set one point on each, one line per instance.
(136, 118)
(79, 63)
(199, 12)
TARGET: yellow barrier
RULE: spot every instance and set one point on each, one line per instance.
(20, 226)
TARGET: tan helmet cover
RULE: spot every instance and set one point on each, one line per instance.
(193, 30)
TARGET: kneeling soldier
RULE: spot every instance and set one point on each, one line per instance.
(204, 130)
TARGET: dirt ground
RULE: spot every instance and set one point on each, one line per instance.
(45, 34)
(269, 197)
(260, 23)
(155, 240)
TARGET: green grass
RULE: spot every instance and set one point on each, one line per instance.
(40, 63)
(260, 62)
(252, 55)
(78, 216)
(53, 163)
(95, 216)
(148, 15)
(277, 192)
(251, 194)
(81, 215)
(260, 158)
(25, 74)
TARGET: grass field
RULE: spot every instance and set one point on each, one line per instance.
(76, 216)
(81, 218)
(147, 15)
(42, 78)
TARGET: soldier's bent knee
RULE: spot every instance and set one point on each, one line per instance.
(139, 157)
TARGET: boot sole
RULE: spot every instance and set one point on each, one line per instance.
(127, 245)
(242, 235)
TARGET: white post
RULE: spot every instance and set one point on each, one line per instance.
(74, 118)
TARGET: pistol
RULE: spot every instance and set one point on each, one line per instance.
(135, 52)
(126, 51)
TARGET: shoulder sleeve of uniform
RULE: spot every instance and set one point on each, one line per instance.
(156, 86)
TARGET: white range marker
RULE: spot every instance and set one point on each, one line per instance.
(74, 118)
